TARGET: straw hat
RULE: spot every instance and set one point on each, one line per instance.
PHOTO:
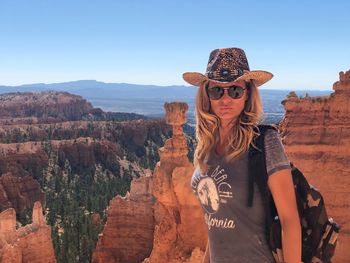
(227, 65)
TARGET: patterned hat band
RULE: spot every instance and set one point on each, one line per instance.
(225, 75)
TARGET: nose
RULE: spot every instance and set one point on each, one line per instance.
(225, 98)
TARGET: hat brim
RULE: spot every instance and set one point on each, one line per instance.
(259, 76)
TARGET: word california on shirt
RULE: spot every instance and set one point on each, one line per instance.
(235, 231)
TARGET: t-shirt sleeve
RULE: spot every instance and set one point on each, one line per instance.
(275, 156)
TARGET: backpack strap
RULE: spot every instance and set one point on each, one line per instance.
(258, 175)
(257, 164)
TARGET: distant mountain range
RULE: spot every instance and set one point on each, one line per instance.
(101, 90)
(146, 99)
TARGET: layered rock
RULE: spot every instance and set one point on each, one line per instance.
(23, 159)
(62, 142)
(160, 220)
(45, 105)
(53, 107)
(128, 233)
(131, 131)
(316, 135)
(180, 232)
(31, 243)
(22, 164)
(19, 192)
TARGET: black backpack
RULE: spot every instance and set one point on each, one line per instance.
(319, 233)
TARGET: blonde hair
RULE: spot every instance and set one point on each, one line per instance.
(241, 134)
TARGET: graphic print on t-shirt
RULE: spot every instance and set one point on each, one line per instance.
(208, 195)
(213, 190)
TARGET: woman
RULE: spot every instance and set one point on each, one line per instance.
(228, 107)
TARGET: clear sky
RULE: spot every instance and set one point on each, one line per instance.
(303, 43)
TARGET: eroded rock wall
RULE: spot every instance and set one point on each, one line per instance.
(160, 220)
(28, 244)
(316, 135)
(128, 233)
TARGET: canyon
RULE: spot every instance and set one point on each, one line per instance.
(156, 218)
(57, 149)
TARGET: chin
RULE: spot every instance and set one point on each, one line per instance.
(225, 117)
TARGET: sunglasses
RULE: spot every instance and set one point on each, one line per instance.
(235, 92)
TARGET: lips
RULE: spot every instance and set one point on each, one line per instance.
(225, 108)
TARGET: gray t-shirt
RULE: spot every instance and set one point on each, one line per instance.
(235, 231)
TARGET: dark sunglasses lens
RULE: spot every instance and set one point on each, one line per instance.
(236, 92)
(215, 93)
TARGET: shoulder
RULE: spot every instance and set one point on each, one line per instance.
(272, 135)
(263, 130)
(276, 158)
(267, 128)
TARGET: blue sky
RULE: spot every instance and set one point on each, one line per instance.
(303, 43)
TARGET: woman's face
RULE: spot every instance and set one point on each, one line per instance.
(227, 108)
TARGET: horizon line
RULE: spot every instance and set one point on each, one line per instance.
(137, 84)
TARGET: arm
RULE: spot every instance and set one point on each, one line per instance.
(206, 257)
(282, 189)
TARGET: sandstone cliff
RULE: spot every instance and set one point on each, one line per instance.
(81, 157)
(52, 107)
(19, 193)
(50, 104)
(316, 135)
(28, 244)
(128, 233)
(170, 225)
(83, 144)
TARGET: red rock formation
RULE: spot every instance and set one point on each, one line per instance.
(316, 135)
(53, 107)
(180, 229)
(27, 160)
(128, 233)
(134, 131)
(22, 159)
(172, 227)
(57, 105)
(31, 243)
(19, 165)
(34, 124)
(19, 192)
